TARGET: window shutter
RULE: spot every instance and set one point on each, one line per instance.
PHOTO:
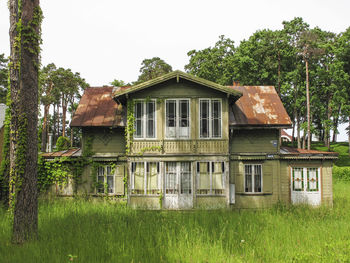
(267, 183)
(119, 180)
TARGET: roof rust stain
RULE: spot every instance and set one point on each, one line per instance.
(259, 105)
(97, 108)
(66, 153)
(298, 151)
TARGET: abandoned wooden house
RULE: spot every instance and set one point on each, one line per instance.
(182, 142)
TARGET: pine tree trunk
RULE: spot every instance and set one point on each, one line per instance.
(25, 20)
(298, 131)
(335, 124)
(308, 105)
(45, 129)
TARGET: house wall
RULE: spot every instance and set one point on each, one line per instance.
(106, 141)
(193, 145)
(326, 178)
(270, 184)
(255, 141)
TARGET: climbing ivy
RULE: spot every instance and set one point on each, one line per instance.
(130, 130)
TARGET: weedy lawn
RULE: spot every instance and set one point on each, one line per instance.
(81, 231)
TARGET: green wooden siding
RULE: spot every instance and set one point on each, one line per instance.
(106, 141)
(193, 145)
(269, 195)
(255, 141)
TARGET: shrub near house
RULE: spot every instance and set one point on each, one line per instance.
(182, 142)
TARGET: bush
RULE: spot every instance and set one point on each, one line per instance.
(341, 173)
(62, 143)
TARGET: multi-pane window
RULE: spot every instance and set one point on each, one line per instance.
(305, 179)
(145, 116)
(211, 178)
(145, 178)
(253, 178)
(298, 179)
(210, 118)
(177, 118)
(105, 179)
(178, 178)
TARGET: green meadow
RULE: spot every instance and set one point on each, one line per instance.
(76, 230)
(80, 231)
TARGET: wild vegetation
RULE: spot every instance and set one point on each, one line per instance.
(106, 232)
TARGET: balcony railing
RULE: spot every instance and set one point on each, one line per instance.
(179, 147)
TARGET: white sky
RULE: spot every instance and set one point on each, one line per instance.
(106, 40)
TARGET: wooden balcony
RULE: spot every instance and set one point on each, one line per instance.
(162, 147)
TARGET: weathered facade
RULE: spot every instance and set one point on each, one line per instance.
(181, 142)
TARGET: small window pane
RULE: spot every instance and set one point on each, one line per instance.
(171, 178)
(171, 118)
(248, 178)
(186, 184)
(138, 120)
(257, 178)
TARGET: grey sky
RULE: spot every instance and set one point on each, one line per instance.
(105, 39)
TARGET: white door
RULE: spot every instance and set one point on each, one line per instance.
(306, 186)
(178, 185)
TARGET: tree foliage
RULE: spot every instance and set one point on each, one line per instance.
(3, 78)
(299, 61)
(152, 68)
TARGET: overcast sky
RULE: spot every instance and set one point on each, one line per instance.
(108, 39)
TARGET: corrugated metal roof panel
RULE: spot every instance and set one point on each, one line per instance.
(65, 153)
(259, 105)
(97, 108)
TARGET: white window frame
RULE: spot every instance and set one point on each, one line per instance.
(105, 169)
(253, 177)
(144, 119)
(132, 178)
(210, 117)
(304, 183)
(177, 119)
(223, 176)
(178, 173)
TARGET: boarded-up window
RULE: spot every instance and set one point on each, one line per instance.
(210, 178)
(145, 178)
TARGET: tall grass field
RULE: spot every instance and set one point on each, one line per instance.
(80, 231)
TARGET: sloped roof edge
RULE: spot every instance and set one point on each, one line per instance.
(177, 74)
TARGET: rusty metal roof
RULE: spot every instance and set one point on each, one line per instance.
(259, 106)
(97, 108)
(67, 153)
(297, 153)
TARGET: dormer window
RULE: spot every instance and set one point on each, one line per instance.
(145, 118)
(210, 118)
(177, 118)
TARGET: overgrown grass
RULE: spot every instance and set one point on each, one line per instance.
(103, 232)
